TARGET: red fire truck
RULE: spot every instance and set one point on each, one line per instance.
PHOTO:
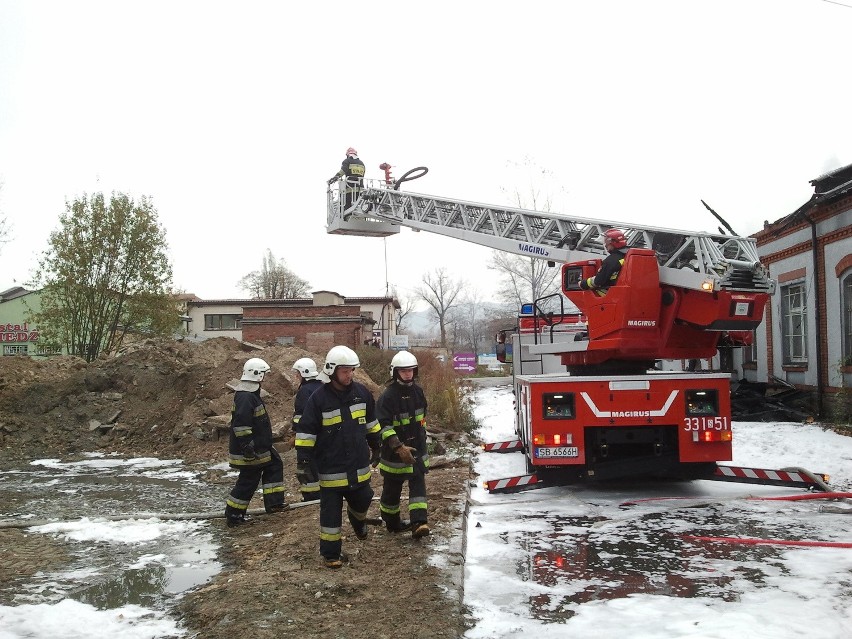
(590, 399)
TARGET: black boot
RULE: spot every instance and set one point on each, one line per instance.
(400, 525)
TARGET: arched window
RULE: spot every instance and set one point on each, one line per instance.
(846, 301)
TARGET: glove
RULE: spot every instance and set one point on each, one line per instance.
(406, 454)
(248, 450)
(376, 456)
(305, 474)
(332, 181)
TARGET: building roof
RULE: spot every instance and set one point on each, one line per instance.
(300, 301)
(12, 293)
(828, 188)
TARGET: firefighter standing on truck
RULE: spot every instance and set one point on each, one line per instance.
(616, 245)
(332, 447)
(250, 448)
(401, 411)
(307, 369)
(353, 170)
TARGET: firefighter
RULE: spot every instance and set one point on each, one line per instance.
(307, 369)
(616, 245)
(401, 411)
(352, 168)
(250, 448)
(336, 432)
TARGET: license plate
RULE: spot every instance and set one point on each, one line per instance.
(557, 451)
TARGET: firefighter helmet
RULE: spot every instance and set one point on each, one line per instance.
(307, 368)
(338, 356)
(351, 152)
(403, 359)
(254, 370)
(616, 238)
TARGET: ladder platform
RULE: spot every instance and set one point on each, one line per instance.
(360, 226)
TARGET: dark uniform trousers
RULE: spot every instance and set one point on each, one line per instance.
(331, 514)
(392, 494)
(272, 476)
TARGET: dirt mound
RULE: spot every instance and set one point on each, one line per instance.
(156, 397)
(172, 399)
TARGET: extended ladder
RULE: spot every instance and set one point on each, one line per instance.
(699, 261)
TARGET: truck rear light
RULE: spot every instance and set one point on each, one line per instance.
(559, 439)
(713, 436)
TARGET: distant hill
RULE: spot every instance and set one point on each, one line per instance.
(419, 323)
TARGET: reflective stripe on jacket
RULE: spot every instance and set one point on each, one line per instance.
(249, 420)
(334, 432)
(401, 411)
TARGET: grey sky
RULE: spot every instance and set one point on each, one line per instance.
(233, 115)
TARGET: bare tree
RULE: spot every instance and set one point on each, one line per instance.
(274, 281)
(469, 321)
(440, 291)
(406, 307)
(5, 228)
(525, 279)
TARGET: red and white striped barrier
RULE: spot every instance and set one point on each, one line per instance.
(766, 477)
(511, 484)
(511, 446)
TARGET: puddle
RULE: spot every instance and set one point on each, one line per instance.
(108, 563)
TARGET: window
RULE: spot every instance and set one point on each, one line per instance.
(750, 351)
(223, 322)
(702, 402)
(846, 300)
(794, 315)
(558, 405)
(15, 349)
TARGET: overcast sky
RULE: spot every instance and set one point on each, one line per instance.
(232, 116)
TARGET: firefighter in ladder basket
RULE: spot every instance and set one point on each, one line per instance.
(616, 245)
(353, 170)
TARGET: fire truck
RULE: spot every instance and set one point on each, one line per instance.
(591, 400)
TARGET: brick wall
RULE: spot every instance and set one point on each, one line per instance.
(315, 329)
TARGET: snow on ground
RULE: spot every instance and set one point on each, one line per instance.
(47, 609)
(571, 561)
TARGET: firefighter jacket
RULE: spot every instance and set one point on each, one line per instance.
(608, 274)
(353, 169)
(336, 432)
(306, 389)
(401, 411)
(250, 424)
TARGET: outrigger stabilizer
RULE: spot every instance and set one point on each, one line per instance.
(787, 477)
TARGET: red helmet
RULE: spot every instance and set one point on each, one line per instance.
(616, 238)
(351, 151)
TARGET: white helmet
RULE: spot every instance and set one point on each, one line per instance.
(338, 356)
(307, 368)
(254, 370)
(403, 359)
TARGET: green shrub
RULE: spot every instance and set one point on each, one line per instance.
(450, 407)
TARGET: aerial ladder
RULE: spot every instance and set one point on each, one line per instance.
(677, 293)
(605, 411)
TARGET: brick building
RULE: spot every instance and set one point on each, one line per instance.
(315, 324)
(806, 338)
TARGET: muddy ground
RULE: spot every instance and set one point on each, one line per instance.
(171, 399)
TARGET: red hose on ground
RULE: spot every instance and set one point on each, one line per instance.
(804, 496)
(807, 496)
(774, 542)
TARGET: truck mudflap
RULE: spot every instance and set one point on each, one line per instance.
(789, 477)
